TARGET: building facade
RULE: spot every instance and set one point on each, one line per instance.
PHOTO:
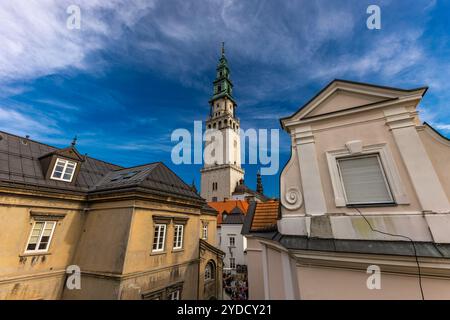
(132, 233)
(365, 192)
(230, 219)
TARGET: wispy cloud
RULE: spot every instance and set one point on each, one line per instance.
(36, 42)
(14, 121)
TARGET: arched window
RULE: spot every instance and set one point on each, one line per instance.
(209, 271)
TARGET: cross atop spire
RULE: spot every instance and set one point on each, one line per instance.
(223, 48)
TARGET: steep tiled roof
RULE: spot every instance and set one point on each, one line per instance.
(265, 216)
(234, 218)
(228, 206)
(155, 176)
(19, 164)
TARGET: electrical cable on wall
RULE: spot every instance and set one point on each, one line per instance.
(401, 236)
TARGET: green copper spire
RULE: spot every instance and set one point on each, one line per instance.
(222, 84)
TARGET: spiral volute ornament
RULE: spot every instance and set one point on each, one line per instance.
(292, 199)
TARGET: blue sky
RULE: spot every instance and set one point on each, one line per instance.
(137, 70)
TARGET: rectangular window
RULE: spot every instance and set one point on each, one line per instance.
(40, 236)
(159, 237)
(232, 263)
(364, 181)
(205, 231)
(178, 236)
(174, 295)
(232, 241)
(63, 170)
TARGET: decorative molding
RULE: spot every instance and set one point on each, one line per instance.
(416, 159)
(399, 117)
(293, 121)
(310, 174)
(292, 199)
(354, 147)
(303, 135)
(177, 220)
(39, 215)
(162, 219)
(430, 267)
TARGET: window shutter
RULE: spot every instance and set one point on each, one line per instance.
(364, 181)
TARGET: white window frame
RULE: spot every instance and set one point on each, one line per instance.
(232, 265)
(387, 164)
(66, 163)
(175, 295)
(156, 234)
(37, 250)
(205, 231)
(178, 236)
(386, 183)
(234, 240)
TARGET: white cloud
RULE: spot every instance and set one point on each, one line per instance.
(36, 42)
(445, 127)
(14, 121)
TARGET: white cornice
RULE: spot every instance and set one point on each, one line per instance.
(288, 123)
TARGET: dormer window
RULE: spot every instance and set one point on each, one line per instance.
(63, 170)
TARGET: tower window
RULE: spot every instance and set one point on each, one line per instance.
(219, 88)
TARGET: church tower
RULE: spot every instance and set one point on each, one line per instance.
(220, 177)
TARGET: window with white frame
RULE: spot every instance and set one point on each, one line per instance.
(174, 295)
(178, 236)
(159, 237)
(205, 231)
(232, 263)
(232, 241)
(63, 170)
(363, 180)
(40, 236)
